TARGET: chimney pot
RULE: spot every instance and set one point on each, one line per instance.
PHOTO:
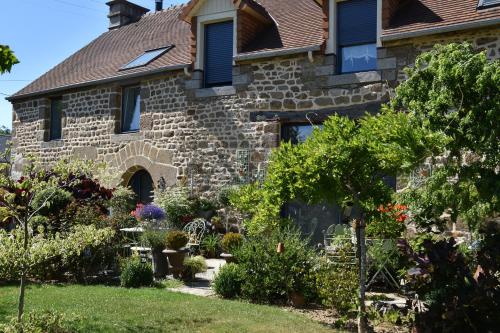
(159, 5)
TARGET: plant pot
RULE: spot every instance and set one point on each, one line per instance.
(176, 260)
(160, 264)
(228, 257)
(297, 299)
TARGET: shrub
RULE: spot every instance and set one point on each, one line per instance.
(176, 239)
(135, 273)
(210, 245)
(388, 222)
(59, 199)
(269, 276)
(37, 322)
(123, 201)
(156, 239)
(227, 282)
(194, 265)
(337, 282)
(224, 194)
(231, 241)
(176, 204)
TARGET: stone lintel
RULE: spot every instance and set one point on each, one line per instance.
(353, 111)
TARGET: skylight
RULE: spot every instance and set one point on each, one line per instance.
(147, 57)
(487, 4)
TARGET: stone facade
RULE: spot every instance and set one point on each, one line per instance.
(199, 135)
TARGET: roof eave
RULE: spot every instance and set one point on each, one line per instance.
(275, 53)
(117, 78)
(441, 29)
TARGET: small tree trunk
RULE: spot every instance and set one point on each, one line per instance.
(22, 286)
(360, 232)
(20, 308)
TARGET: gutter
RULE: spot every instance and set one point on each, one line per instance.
(100, 81)
(270, 54)
(443, 29)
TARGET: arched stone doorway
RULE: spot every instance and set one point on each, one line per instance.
(142, 184)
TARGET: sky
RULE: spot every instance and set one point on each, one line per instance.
(42, 33)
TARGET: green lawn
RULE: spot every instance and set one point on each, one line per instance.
(110, 309)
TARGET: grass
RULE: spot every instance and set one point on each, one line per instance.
(112, 309)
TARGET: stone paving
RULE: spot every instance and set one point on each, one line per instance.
(201, 285)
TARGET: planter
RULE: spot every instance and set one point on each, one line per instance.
(297, 299)
(176, 260)
(228, 257)
(160, 264)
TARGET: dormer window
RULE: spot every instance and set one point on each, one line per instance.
(219, 54)
(357, 35)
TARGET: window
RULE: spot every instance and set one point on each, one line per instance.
(131, 109)
(482, 4)
(55, 131)
(357, 35)
(147, 57)
(219, 54)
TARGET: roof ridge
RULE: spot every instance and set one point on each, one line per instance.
(170, 8)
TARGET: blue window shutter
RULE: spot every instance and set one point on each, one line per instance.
(357, 22)
(219, 54)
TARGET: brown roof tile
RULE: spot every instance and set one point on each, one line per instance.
(414, 15)
(299, 24)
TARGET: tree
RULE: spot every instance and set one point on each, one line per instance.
(346, 162)
(7, 59)
(26, 248)
(455, 89)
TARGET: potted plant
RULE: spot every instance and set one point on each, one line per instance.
(230, 242)
(192, 266)
(176, 240)
(210, 245)
(155, 239)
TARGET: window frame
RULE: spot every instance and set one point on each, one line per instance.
(52, 121)
(221, 84)
(482, 5)
(122, 109)
(339, 47)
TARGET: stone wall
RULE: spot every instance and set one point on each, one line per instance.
(203, 135)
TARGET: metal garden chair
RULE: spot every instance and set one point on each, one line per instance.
(195, 231)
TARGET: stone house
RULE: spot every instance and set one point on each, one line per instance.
(204, 91)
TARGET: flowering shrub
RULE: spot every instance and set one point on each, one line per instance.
(388, 222)
(149, 212)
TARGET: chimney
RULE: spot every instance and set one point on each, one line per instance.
(159, 5)
(122, 12)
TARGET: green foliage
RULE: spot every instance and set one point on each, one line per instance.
(156, 239)
(268, 276)
(58, 200)
(50, 255)
(5, 130)
(123, 201)
(7, 59)
(38, 322)
(388, 222)
(176, 239)
(337, 281)
(135, 273)
(343, 162)
(224, 195)
(176, 204)
(228, 281)
(194, 265)
(231, 242)
(456, 90)
(210, 245)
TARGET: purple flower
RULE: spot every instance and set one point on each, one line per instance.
(151, 212)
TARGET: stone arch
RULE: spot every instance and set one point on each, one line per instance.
(141, 155)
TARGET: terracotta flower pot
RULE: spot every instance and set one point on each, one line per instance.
(297, 299)
(176, 260)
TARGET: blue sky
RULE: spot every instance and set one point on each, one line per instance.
(43, 33)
